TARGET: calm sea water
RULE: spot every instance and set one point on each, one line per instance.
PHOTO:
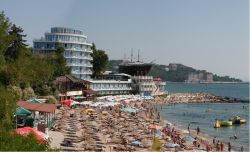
(204, 114)
(240, 91)
(197, 115)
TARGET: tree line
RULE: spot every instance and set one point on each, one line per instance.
(24, 75)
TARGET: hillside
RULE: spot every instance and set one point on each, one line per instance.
(179, 73)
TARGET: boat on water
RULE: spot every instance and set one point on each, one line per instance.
(233, 121)
(217, 124)
(238, 120)
(222, 123)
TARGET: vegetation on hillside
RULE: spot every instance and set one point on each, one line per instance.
(181, 72)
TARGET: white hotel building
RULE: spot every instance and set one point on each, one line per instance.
(78, 57)
(77, 49)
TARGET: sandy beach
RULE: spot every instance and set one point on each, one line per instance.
(86, 128)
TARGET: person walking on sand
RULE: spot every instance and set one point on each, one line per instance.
(221, 146)
(242, 148)
(198, 130)
(229, 147)
(189, 128)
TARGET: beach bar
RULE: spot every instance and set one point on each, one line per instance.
(46, 111)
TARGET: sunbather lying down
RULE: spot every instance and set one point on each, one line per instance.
(67, 143)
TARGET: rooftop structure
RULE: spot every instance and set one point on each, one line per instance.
(135, 68)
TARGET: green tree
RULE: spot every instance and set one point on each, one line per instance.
(58, 60)
(5, 40)
(17, 45)
(100, 61)
(21, 70)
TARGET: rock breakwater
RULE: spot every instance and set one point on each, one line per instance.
(195, 98)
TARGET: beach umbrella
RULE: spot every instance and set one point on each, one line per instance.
(38, 134)
(171, 145)
(104, 112)
(129, 109)
(136, 142)
(89, 110)
(189, 138)
(67, 102)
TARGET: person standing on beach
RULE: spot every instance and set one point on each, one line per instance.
(242, 148)
(214, 140)
(198, 130)
(217, 146)
(189, 128)
(221, 146)
(229, 147)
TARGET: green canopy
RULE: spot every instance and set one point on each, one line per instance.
(34, 101)
(22, 112)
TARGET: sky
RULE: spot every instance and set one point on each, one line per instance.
(211, 35)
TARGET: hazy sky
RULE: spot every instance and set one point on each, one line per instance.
(206, 34)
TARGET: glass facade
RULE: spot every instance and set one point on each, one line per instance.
(77, 49)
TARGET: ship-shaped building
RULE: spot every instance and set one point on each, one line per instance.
(142, 82)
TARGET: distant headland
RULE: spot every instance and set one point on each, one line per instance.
(175, 72)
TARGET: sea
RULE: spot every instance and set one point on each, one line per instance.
(204, 114)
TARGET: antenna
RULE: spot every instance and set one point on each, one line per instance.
(131, 55)
(138, 56)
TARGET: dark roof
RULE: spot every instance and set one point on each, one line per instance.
(42, 107)
(72, 79)
(89, 91)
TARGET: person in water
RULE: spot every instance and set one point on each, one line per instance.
(235, 137)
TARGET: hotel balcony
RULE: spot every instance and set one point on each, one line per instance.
(62, 41)
(147, 83)
(104, 81)
(80, 72)
(78, 57)
(112, 89)
(146, 89)
(143, 77)
(79, 64)
(79, 49)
